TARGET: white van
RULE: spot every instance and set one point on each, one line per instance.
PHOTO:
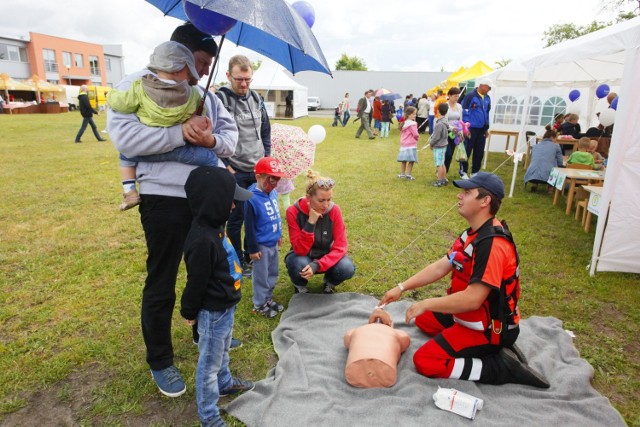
(313, 103)
(71, 94)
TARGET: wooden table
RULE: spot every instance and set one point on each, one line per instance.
(593, 207)
(559, 176)
(507, 133)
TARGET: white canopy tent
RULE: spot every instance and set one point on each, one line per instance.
(612, 56)
(274, 84)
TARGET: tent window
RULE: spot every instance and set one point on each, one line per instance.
(507, 111)
(535, 106)
(552, 106)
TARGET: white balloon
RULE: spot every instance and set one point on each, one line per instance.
(317, 134)
(573, 109)
(607, 117)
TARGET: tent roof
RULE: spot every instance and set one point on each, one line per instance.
(273, 77)
(592, 58)
(7, 83)
(478, 69)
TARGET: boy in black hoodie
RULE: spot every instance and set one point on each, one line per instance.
(214, 274)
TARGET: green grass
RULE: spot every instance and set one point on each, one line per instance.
(72, 268)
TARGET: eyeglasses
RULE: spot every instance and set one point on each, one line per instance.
(240, 80)
(326, 184)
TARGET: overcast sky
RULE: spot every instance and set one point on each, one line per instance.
(388, 35)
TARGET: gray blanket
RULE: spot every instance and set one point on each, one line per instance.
(308, 388)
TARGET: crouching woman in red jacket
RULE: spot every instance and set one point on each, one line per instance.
(318, 238)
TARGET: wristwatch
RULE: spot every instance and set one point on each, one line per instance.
(401, 286)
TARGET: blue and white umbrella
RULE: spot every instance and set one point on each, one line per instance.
(272, 28)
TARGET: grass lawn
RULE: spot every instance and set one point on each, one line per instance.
(72, 268)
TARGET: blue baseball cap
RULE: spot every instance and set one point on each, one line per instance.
(490, 182)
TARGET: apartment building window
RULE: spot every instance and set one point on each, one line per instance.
(79, 60)
(107, 64)
(66, 59)
(12, 53)
(49, 56)
(93, 65)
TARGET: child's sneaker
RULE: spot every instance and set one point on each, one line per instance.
(328, 288)
(402, 176)
(410, 178)
(130, 199)
(274, 305)
(265, 310)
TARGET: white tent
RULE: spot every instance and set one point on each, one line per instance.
(274, 84)
(611, 55)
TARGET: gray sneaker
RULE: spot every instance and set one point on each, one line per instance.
(169, 381)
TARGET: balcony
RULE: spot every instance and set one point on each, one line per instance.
(51, 67)
(95, 71)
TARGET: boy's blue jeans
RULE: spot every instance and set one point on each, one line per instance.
(212, 372)
(189, 154)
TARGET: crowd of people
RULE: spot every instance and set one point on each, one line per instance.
(196, 205)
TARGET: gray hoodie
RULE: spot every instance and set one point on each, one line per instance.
(132, 138)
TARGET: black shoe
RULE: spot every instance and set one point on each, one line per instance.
(372, 137)
(328, 288)
(521, 373)
(78, 142)
(101, 140)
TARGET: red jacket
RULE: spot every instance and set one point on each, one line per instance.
(325, 242)
(377, 109)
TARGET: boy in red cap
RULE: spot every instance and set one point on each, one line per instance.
(263, 229)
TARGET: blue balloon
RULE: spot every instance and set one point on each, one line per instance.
(602, 91)
(574, 94)
(208, 21)
(614, 103)
(305, 10)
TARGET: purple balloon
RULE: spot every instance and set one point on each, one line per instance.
(614, 103)
(574, 94)
(208, 21)
(602, 91)
(305, 10)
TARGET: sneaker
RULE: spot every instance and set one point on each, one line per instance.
(238, 386)
(329, 289)
(464, 175)
(521, 373)
(235, 343)
(130, 199)
(265, 310)
(402, 176)
(274, 305)
(169, 381)
(473, 174)
(300, 289)
(438, 183)
(409, 178)
(247, 268)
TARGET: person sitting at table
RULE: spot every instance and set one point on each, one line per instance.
(557, 121)
(544, 157)
(597, 157)
(570, 127)
(582, 156)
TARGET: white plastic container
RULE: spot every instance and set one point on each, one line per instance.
(452, 400)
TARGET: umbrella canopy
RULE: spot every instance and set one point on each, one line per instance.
(7, 83)
(293, 148)
(42, 85)
(272, 28)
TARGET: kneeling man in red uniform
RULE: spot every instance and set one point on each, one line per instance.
(475, 326)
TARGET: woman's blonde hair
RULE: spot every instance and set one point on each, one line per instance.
(315, 181)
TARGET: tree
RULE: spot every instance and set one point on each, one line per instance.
(503, 63)
(351, 63)
(256, 65)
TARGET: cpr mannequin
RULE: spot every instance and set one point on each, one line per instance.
(374, 352)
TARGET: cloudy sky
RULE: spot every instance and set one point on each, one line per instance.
(405, 35)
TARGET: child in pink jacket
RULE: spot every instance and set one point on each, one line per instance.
(408, 154)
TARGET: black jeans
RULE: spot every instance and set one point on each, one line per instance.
(448, 155)
(166, 222)
(88, 121)
(474, 146)
(236, 219)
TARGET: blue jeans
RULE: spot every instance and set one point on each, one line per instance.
(345, 118)
(212, 372)
(431, 120)
(336, 120)
(189, 154)
(88, 121)
(236, 219)
(343, 270)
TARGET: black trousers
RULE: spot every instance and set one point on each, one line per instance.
(166, 222)
(474, 146)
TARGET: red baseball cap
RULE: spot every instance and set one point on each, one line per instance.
(269, 166)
